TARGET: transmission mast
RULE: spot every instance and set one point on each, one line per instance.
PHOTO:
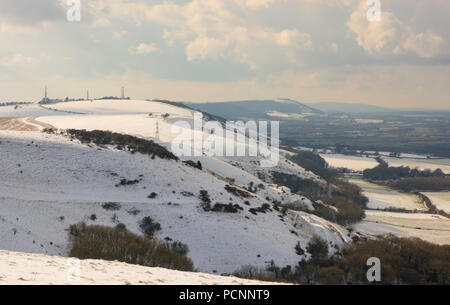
(157, 130)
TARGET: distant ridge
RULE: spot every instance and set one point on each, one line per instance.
(336, 107)
(256, 109)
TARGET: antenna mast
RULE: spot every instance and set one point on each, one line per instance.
(157, 130)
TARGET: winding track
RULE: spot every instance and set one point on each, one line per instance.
(22, 124)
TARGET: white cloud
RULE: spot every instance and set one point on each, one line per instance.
(18, 60)
(144, 48)
(390, 35)
(426, 45)
(212, 29)
(101, 23)
(119, 34)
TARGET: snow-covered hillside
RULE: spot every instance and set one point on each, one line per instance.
(37, 269)
(50, 182)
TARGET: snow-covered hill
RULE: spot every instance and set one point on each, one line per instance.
(37, 269)
(50, 182)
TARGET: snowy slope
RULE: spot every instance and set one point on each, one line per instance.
(50, 182)
(32, 110)
(132, 117)
(36, 269)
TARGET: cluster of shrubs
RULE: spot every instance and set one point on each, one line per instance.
(226, 208)
(405, 261)
(431, 184)
(262, 209)
(312, 162)
(197, 165)
(385, 172)
(132, 144)
(347, 212)
(299, 185)
(99, 242)
(124, 182)
(149, 227)
(111, 206)
(346, 197)
(14, 103)
(237, 192)
(206, 200)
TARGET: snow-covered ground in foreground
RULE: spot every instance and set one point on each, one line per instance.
(361, 163)
(37, 269)
(382, 197)
(50, 182)
(429, 227)
(440, 199)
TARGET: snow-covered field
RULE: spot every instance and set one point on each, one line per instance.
(37, 269)
(361, 163)
(440, 199)
(432, 228)
(382, 197)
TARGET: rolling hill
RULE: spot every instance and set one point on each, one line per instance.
(51, 181)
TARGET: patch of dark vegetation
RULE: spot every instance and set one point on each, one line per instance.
(237, 192)
(385, 172)
(206, 200)
(134, 211)
(226, 208)
(299, 185)
(127, 142)
(187, 194)
(431, 207)
(197, 165)
(149, 227)
(179, 248)
(429, 184)
(153, 195)
(347, 212)
(126, 182)
(111, 206)
(119, 244)
(312, 162)
(299, 250)
(346, 197)
(255, 273)
(405, 261)
(262, 209)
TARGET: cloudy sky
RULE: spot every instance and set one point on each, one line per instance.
(216, 50)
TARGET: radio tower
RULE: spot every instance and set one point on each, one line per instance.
(45, 94)
(157, 130)
(123, 93)
(87, 95)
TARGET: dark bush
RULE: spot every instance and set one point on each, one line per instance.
(111, 206)
(98, 242)
(149, 227)
(206, 200)
(226, 208)
(318, 248)
(179, 248)
(237, 192)
(133, 144)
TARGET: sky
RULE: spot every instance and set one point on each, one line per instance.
(219, 50)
